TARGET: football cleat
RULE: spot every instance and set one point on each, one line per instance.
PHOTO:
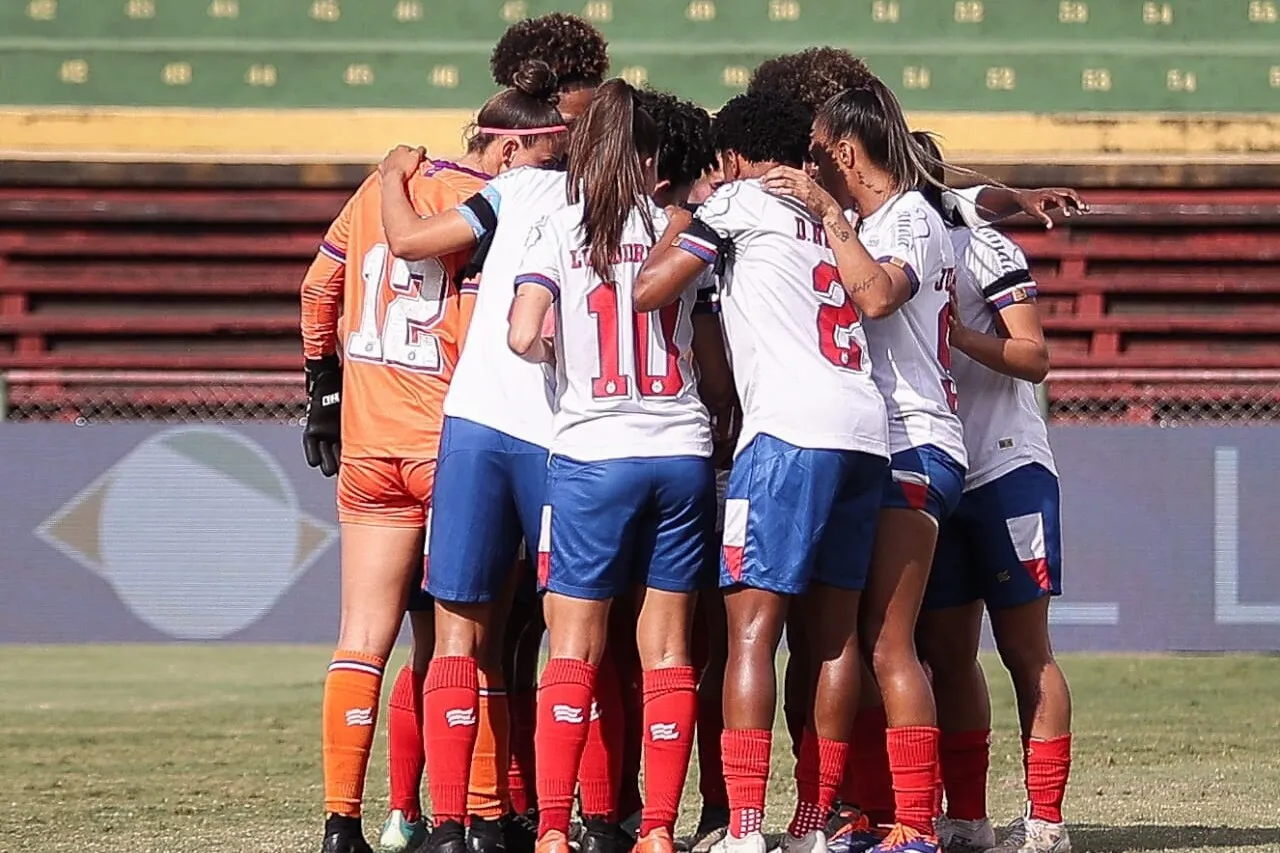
(449, 837)
(752, 842)
(712, 826)
(520, 832)
(344, 835)
(849, 831)
(904, 839)
(1032, 835)
(400, 835)
(965, 836)
(486, 836)
(811, 842)
(657, 841)
(600, 836)
(553, 842)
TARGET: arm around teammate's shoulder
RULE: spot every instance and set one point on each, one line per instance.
(410, 236)
(876, 289)
(668, 270)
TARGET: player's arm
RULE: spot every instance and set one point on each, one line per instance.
(978, 206)
(410, 236)
(529, 317)
(1019, 350)
(537, 289)
(321, 296)
(715, 378)
(877, 287)
(682, 254)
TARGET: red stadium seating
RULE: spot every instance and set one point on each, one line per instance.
(1150, 288)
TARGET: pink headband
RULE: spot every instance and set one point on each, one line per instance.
(528, 131)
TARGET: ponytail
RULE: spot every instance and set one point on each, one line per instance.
(606, 148)
(527, 110)
(871, 114)
(932, 191)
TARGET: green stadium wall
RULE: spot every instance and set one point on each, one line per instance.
(341, 80)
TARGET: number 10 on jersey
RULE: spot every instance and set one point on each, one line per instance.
(612, 382)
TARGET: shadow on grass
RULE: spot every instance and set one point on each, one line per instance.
(1091, 838)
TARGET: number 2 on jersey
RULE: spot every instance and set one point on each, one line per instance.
(612, 383)
(836, 323)
(404, 337)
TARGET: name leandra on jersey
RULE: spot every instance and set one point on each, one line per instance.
(629, 253)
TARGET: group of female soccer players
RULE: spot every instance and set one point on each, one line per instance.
(795, 328)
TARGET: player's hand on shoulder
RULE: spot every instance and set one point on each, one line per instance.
(402, 161)
(322, 423)
(1038, 203)
(784, 180)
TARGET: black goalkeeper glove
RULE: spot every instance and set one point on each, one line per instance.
(322, 424)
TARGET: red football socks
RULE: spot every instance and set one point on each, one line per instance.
(670, 715)
(601, 768)
(450, 711)
(867, 781)
(913, 761)
(1048, 763)
(564, 711)
(965, 758)
(819, 771)
(745, 753)
(406, 758)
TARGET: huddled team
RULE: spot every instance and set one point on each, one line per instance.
(666, 388)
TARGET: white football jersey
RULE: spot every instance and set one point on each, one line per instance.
(910, 356)
(1003, 429)
(795, 339)
(492, 386)
(625, 382)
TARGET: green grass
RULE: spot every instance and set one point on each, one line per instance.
(153, 748)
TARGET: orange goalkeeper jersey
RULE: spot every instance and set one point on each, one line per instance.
(397, 325)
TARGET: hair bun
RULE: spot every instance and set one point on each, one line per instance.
(536, 79)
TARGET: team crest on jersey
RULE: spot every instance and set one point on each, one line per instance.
(535, 233)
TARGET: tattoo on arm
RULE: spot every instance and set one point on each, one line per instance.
(864, 285)
(837, 228)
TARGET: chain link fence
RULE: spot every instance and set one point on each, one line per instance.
(1170, 398)
(84, 397)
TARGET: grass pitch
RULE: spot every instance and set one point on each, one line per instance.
(161, 748)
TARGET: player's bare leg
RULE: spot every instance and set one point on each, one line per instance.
(670, 692)
(755, 621)
(866, 793)
(578, 631)
(1044, 711)
(406, 827)
(948, 639)
(377, 566)
(900, 566)
(831, 655)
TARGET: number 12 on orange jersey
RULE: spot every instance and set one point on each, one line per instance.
(402, 335)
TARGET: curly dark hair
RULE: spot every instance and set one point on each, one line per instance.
(811, 76)
(686, 137)
(764, 127)
(575, 50)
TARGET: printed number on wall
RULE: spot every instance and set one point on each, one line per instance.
(224, 9)
(326, 10)
(915, 77)
(784, 10)
(42, 10)
(1073, 12)
(970, 11)
(885, 12)
(1263, 12)
(1002, 78)
(1095, 80)
(700, 10)
(1157, 13)
(1180, 81)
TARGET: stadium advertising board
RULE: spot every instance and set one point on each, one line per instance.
(145, 533)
